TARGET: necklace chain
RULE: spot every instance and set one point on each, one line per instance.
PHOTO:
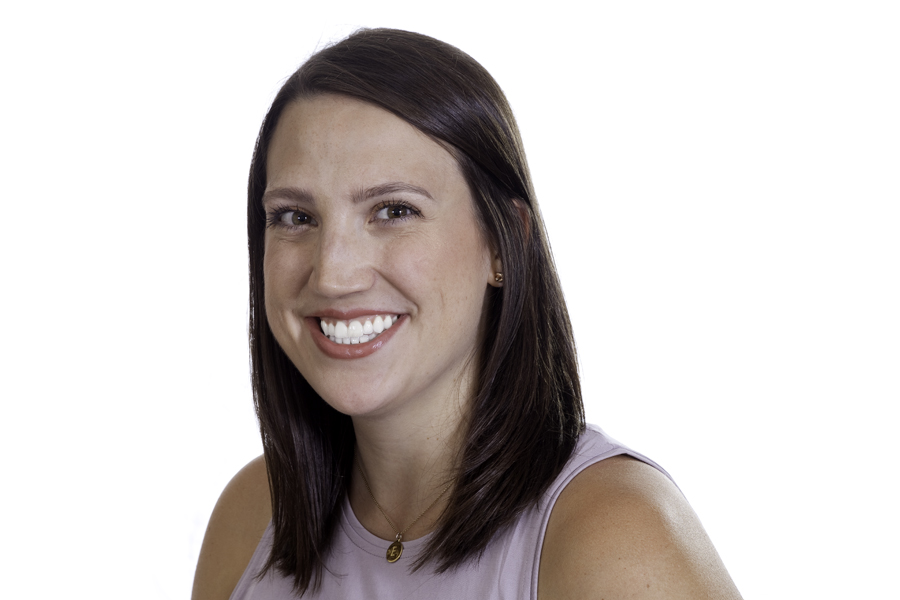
(384, 514)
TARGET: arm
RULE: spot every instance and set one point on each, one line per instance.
(237, 524)
(621, 529)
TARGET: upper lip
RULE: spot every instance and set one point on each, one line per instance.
(345, 315)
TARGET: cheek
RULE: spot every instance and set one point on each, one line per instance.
(447, 273)
(283, 267)
(284, 272)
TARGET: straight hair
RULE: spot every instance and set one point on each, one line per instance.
(527, 413)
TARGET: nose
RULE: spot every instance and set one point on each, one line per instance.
(343, 262)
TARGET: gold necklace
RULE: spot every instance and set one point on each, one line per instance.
(396, 548)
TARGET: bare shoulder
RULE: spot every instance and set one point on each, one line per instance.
(621, 529)
(237, 524)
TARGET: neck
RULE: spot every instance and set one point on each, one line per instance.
(408, 461)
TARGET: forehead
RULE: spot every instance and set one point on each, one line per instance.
(331, 137)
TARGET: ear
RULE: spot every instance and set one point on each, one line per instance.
(496, 278)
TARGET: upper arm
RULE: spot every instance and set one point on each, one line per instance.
(237, 524)
(621, 529)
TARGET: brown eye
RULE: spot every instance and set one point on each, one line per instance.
(397, 212)
(295, 218)
(394, 212)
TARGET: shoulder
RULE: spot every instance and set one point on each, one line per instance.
(237, 524)
(622, 529)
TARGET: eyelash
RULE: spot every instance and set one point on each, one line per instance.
(274, 219)
(413, 212)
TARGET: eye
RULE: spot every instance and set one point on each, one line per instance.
(397, 212)
(289, 218)
(296, 218)
(394, 210)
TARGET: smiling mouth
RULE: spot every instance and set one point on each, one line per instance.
(356, 331)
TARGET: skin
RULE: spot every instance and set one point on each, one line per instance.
(237, 524)
(619, 530)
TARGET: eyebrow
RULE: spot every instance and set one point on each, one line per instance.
(288, 193)
(385, 189)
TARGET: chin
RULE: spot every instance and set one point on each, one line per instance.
(352, 404)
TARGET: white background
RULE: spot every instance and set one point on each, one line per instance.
(720, 183)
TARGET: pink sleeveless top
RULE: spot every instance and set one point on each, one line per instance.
(508, 569)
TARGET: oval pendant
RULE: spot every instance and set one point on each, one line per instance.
(394, 551)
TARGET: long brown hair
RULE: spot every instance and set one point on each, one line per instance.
(527, 413)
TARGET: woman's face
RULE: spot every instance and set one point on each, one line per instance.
(371, 230)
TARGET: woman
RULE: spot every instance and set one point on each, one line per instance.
(414, 368)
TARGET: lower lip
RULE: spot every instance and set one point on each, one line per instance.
(344, 351)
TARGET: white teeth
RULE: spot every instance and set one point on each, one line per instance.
(356, 331)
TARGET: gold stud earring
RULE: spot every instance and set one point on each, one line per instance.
(498, 277)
